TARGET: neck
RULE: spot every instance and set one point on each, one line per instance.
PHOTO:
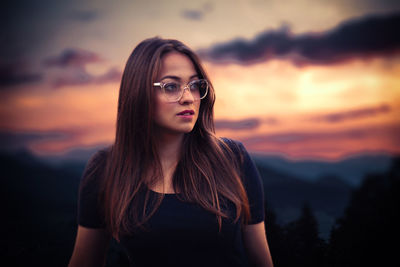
(169, 147)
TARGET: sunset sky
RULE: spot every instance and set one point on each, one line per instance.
(304, 79)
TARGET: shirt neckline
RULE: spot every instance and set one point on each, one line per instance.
(165, 194)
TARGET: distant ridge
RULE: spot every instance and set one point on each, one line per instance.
(351, 169)
(77, 155)
(286, 194)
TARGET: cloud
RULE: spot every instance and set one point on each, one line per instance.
(72, 58)
(73, 62)
(376, 133)
(328, 144)
(354, 114)
(73, 78)
(358, 38)
(197, 14)
(82, 77)
(16, 74)
(112, 75)
(192, 14)
(246, 124)
(84, 15)
(375, 4)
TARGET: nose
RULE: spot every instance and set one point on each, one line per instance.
(187, 96)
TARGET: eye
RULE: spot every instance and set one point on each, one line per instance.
(198, 85)
(171, 87)
(195, 85)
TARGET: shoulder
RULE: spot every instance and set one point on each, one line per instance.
(229, 141)
(251, 180)
(96, 164)
(90, 189)
(100, 156)
(236, 146)
(245, 161)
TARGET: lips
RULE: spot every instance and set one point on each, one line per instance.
(186, 113)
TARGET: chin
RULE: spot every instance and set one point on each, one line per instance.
(177, 130)
(186, 129)
(183, 127)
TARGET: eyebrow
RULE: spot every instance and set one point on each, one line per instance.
(178, 78)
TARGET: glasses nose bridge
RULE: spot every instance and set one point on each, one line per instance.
(185, 87)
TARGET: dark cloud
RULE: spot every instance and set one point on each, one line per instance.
(72, 78)
(13, 75)
(354, 114)
(112, 75)
(385, 132)
(358, 38)
(246, 124)
(379, 5)
(82, 77)
(73, 62)
(197, 14)
(84, 15)
(73, 58)
(192, 14)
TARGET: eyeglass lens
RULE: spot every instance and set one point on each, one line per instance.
(174, 90)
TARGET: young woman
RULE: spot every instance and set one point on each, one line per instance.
(169, 190)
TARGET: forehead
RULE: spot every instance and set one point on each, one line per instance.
(176, 64)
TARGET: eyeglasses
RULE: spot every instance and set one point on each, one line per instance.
(173, 91)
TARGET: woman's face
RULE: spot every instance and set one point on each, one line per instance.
(176, 117)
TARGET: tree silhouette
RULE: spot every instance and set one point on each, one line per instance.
(303, 242)
(296, 244)
(276, 237)
(365, 235)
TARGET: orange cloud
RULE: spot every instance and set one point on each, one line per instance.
(354, 114)
(328, 145)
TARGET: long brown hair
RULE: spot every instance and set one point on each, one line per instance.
(207, 173)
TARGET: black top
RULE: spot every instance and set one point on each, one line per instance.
(181, 233)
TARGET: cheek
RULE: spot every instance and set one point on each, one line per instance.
(163, 111)
(159, 104)
(159, 110)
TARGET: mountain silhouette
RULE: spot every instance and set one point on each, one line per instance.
(40, 210)
(351, 170)
(286, 194)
